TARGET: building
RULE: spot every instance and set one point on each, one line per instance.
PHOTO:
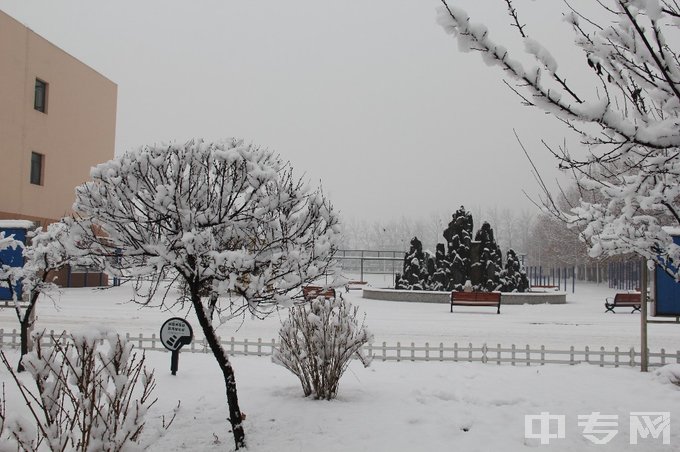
(57, 120)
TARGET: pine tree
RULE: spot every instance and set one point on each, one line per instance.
(513, 277)
(490, 260)
(458, 237)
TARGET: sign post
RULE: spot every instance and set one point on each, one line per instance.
(644, 351)
(175, 333)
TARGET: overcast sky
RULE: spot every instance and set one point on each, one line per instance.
(372, 98)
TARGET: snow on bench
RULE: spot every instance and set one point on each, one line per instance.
(311, 292)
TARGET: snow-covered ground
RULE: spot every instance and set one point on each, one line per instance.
(401, 406)
(580, 322)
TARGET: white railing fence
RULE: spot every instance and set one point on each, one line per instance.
(513, 355)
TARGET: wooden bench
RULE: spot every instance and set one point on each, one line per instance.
(311, 292)
(623, 300)
(354, 285)
(476, 299)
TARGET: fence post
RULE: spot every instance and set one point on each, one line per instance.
(512, 355)
(616, 356)
(587, 354)
(427, 351)
(245, 347)
(413, 351)
(498, 355)
(441, 352)
(384, 351)
(542, 355)
(484, 350)
(601, 356)
(528, 355)
(362, 265)
(455, 351)
(470, 352)
(572, 361)
(632, 357)
(259, 346)
(398, 351)
(663, 356)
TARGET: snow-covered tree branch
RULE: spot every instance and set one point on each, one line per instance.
(227, 218)
(45, 253)
(627, 120)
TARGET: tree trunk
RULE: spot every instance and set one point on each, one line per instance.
(235, 417)
(26, 324)
(24, 343)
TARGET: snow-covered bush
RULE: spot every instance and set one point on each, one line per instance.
(92, 392)
(513, 278)
(415, 275)
(45, 252)
(227, 218)
(670, 373)
(318, 340)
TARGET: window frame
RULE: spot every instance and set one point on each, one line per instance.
(41, 169)
(42, 107)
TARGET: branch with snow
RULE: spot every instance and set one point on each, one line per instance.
(629, 123)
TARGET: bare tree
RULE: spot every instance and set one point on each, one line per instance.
(226, 218)
(627, 121)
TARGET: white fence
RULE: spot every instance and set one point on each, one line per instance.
(512, 355)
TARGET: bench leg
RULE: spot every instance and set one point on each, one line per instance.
(636, 308)
(451, 307)
(610, 308)
(499, 309)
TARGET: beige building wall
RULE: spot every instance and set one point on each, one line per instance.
(76, 131)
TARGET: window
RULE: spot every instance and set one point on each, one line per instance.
(40, 101)
(37, 161)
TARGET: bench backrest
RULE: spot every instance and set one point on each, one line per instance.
(317, 291)
(627, 297)
(475, 296)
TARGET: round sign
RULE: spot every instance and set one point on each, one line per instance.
(175, 333)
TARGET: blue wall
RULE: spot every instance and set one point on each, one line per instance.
(13, 258)
(667, 290)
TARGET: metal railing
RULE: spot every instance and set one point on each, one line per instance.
(370, 261)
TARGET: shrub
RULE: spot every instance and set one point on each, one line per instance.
(317, 342)
(92, 393)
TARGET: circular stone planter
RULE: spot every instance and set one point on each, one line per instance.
(425, 296)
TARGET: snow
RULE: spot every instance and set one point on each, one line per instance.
(16, 224)
(402, 406)
(399, 406)
(580, 322)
